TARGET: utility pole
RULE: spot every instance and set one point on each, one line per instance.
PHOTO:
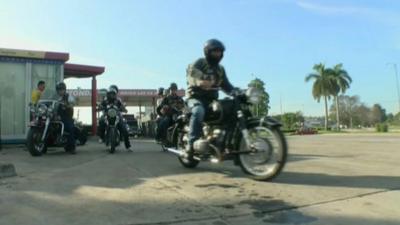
(1, 144)
(397, 82)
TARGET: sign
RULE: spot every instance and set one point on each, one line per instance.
(122, 93)
(22, 53)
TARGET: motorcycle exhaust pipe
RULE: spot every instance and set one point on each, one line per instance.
(176, 152)
(181, 153)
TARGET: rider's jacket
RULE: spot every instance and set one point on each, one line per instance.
(202, 70)
(172, 104)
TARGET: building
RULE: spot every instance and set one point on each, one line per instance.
(20, 71)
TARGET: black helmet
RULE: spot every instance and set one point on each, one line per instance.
(210, 45)
(213, 44)
(173, 86)
(112, 93)
(61, 86)
(114, 87)
(160, 91)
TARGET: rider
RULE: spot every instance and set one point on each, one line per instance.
(160, 95)
(171, 105)
(66, 111)
(204, 77)
(112, 98)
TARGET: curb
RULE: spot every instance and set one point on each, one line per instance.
(7, 170)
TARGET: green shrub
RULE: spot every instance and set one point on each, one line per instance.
(381, 127)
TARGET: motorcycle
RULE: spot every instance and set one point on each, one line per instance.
(112, 136)
(80, 133)
(230, 132)
(46, 129)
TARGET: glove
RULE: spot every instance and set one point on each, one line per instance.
(235, 91)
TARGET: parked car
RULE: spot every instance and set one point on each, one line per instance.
(133, 125)
(306, 130)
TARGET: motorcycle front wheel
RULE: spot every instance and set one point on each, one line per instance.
(267, 155)
(34, 143)
(113, 139)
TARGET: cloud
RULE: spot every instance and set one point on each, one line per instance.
(15, 42)
(325, 9)
(383, 17)
(373, 14)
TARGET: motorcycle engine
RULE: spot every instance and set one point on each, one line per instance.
(211, 136)
(201, 146)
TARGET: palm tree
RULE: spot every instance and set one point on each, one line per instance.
(323, 86)
(342, 83)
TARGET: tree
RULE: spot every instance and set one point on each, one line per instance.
(354, 113)
(262, 108)
(348, 105)
(290, 120)
(342, 83)
(361, 116)
(324, 85)
(378, 114)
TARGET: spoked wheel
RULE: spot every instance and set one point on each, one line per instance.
(113, 140)
(268, 156)
(34, 142)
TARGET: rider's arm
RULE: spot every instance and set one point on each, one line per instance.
(102, 105)
(122, 106)
(160, 107)
(195, 74)
(181, 104)
(226, 86)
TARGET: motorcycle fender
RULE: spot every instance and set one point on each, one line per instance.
(265, 121)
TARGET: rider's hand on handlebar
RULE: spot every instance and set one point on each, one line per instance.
(206, 84)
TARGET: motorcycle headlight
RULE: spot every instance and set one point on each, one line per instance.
(112, 113)
(42, 109)
(254, 95)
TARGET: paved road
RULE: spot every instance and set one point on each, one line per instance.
(330, 179)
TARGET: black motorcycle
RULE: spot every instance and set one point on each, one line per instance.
(230, 132)
(112, 136)
(81, 133)
(46, 129)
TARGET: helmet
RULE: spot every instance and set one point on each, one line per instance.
(112, 93)
(114, 87)
(173, 86)
(160, 91)
(213, 44)
(61, 86)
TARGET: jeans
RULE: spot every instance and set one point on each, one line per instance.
(69, 128)
(162, 127)
(197, 108)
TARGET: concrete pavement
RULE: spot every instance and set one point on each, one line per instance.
(329, 179)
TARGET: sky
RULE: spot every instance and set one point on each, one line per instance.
(149, 44)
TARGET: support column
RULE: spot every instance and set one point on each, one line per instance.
(154, 108)
(140, 111)
(94, 102)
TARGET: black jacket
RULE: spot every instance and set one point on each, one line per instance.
(202, 70)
